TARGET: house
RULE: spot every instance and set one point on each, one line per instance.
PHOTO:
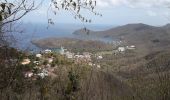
(28, 74)
(69, 55)
(62, 51)
(36, 62)
(90, 64)
(98, 66)
(121, 49)
(100, 57)
(48, 51)
(78, 56)
(43, 74)
(132, 47)
(87, 55)
(50, 60)
(38, 55)
(26, 62)
(115, 52)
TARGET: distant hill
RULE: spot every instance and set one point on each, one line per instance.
(143, 36)
(72, 44)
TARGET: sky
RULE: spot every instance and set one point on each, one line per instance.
(115, 12)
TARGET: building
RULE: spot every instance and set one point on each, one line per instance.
(100, 57)
(121, 49)
(50, 60)
(98, 66)
(48, 51)
(87, 55)
(69, 55)
(26, 62)
(62, 51)
(38, 55)
(132, 47)
(28, 74)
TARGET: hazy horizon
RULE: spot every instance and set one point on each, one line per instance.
(115, 12)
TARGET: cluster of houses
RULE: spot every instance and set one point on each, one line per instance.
(122, 49)
(44, 70)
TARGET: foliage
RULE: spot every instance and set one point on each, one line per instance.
(75, 7)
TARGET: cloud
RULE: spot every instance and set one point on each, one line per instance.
(151, 13)
(103, 3)
(135, 3)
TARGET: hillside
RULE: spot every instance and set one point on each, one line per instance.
(72, 44)
(142, 35)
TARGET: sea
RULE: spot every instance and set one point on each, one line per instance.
(33, 31)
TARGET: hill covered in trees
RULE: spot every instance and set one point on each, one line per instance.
(144, 36)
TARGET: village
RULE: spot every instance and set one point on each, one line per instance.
(45, 65)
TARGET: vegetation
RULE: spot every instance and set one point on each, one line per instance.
(147, 80)
(75, 45)
(129, 75)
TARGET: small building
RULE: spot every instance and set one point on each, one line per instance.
(26, 62)
(43, 74)
(38, 55)
(90, 64)
(87, 55)
(36, 62)
(115, 52)
(28, 74)
(48, 51)
(69, 55)
(100, 57)
(98, 66)
(50, 60)
(132, 47)
(62, 50)
(121, 49)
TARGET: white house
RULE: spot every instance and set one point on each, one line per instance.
(38, 55)
(121, 49)
(26, 62)
(50, 60)
(62, 50)
(36, 62)
(87, 55)
(48, 51)
(132, 47)
(90, 64)
(98, 66)
(28, 74)
(69, 55)
(100, 57)
(43, 74)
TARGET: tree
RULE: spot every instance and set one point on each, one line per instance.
(13, 11)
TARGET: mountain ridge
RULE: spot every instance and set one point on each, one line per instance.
(139, 34)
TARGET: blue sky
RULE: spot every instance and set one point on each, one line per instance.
(115, 12)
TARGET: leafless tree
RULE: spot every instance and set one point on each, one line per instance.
(13, 10)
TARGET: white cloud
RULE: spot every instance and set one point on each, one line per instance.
(151, 13)
(135, 3)
(102, 3)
